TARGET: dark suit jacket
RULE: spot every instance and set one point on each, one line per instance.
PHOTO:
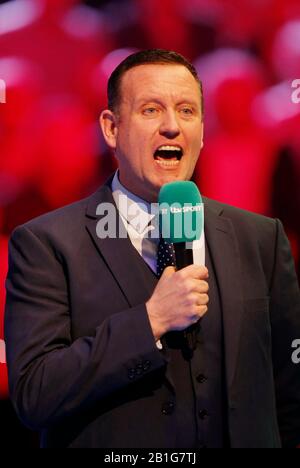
(83, 365)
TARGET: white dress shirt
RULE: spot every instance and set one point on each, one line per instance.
(136, 215)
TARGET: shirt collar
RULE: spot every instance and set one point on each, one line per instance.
(135, 210)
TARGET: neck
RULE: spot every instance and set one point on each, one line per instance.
(145, 197)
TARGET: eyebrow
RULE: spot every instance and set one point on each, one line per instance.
(144, 100)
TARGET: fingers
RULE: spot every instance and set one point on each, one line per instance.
(195, 272)
(190, 285)
(195, 301)
(202, 311)
(185, 291)
(199, 313)
(168, 272)
(203, 299)
(199, 286)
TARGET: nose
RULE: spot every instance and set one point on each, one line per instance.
(169, 125)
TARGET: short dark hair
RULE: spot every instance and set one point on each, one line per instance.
(144, 57)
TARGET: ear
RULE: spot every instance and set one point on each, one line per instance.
(202, 142)
(108, 124)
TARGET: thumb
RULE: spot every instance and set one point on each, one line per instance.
(168, 272)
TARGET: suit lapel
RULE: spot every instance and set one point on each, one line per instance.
(121, 257)
(221, 237)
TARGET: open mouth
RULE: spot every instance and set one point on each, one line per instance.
(168, 155)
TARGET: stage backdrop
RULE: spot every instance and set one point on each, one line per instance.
(55, 59)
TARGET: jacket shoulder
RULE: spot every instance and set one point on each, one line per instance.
(60, 222)
(257, 235)
(239, 215)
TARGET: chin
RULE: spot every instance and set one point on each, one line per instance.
(163, 180)
(172, 178)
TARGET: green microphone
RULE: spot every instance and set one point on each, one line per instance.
(181, 218)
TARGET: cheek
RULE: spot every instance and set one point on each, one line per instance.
(130, 150)
(195, 153)
(135, 136)
(125, 145)
(197, 138)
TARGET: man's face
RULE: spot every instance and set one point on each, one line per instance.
(157, 135)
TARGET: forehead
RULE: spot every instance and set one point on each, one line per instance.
(159, 80)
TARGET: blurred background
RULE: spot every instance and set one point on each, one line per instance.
(56, 57)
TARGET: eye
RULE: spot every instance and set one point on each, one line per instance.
(150, 111)
(186, 111)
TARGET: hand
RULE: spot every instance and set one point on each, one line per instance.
(179, 300)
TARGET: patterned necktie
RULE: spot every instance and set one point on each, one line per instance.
(165, 256)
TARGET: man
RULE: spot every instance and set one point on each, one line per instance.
(95, 345)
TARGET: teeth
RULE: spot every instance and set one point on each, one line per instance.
(169, 148)
(167, 163)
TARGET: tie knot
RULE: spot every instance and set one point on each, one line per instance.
(165, 256)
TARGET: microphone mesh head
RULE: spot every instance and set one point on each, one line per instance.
(181, 212)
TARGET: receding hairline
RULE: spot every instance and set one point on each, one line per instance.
(163, 64)
(166, 63)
